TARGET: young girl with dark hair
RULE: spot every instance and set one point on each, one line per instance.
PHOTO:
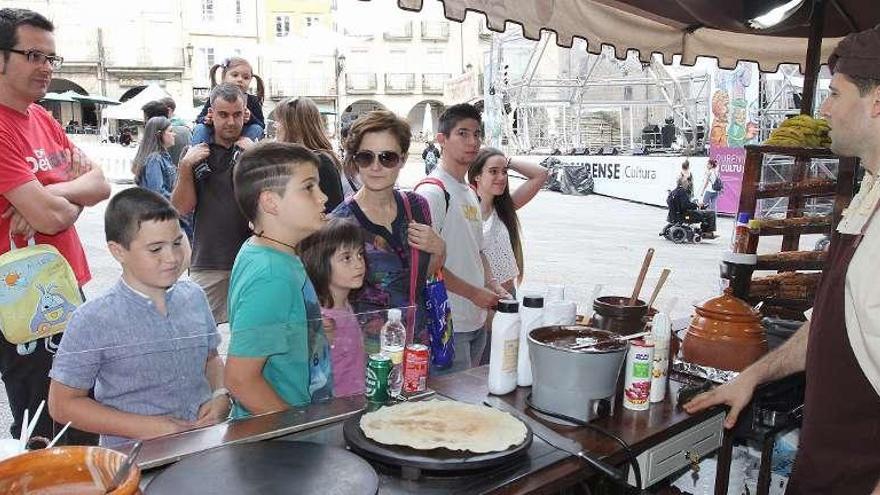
(237, 71)
(334, 260)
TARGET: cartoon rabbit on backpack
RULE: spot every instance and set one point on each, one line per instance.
(52, 310)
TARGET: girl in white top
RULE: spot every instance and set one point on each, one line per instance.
(501, 235)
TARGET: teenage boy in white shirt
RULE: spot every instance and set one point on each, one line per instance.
(455, 215)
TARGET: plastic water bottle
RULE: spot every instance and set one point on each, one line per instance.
(531, 317)
(392, 341)
(505, 346)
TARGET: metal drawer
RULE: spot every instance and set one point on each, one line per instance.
(660, 461)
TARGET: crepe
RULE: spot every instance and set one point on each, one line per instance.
(426, 425)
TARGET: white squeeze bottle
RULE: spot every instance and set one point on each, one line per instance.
(662, 332)
(505, 344)
(392, 341)
(532, 317)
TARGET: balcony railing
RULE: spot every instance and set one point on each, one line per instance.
(401, 32)
(305, 86)
(362, 34)
(400, 83)
(360, 83)
(435, 30)
(433, 83)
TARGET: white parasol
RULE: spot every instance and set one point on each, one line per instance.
(428, 122)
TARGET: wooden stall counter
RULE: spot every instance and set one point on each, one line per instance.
(663, 438)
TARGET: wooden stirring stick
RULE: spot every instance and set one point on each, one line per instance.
(641, 280)
(663, 275)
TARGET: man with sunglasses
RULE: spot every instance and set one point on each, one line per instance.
(45, 182)
(455, 213)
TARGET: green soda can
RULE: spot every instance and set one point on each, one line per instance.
(378, 369)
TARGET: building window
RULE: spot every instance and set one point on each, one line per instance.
(239, 14)
(282, 26)
(208, 10)
(204, 61)
(312, 21)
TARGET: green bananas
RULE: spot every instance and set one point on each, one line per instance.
(801, 131)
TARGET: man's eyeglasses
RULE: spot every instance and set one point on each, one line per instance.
(387, 159)
(38, 57)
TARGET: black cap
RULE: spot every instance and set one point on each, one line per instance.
(533, 301)
(507, 306)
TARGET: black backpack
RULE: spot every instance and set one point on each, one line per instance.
(718, 184)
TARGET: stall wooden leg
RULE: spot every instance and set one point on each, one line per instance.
(766, 462)
(725, 456)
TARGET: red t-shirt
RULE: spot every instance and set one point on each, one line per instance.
(34, 147)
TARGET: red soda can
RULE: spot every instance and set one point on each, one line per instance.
(415, 368)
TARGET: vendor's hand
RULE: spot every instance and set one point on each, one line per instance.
(18, 225)
(329, 328)
(484, 298)
(195, 154)
(735, 394)
(213, 411)
(245, 143)
(424, 238)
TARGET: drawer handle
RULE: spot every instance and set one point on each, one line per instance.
(694, 459)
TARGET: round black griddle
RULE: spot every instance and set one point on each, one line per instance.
(439, 459)
(269, 467)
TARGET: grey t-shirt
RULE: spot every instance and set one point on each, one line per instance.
(137, 360)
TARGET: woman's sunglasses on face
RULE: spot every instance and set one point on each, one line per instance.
(387, 159)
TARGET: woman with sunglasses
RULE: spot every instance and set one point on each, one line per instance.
(396, 225)
(297, 120)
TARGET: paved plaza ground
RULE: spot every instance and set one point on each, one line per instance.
(572, 240)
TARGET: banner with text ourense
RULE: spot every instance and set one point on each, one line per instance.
(645, 179)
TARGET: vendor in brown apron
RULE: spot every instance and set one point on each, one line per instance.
(839, 348)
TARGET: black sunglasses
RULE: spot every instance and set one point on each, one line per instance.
(387, 159)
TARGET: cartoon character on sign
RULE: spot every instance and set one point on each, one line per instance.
(53, 309)
(720, 107)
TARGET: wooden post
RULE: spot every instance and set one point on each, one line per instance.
(814, 53)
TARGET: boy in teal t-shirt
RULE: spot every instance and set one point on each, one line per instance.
(278, 354)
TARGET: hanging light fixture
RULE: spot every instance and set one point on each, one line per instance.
(775, 15)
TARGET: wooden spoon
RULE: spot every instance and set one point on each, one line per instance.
(641, 280)
(663, 275)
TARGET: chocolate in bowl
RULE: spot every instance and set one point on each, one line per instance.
(564, 337)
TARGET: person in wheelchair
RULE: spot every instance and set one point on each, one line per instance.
(687, 222)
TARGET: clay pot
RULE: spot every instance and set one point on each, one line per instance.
(613, 313)
(74, 469)
(726, 333)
